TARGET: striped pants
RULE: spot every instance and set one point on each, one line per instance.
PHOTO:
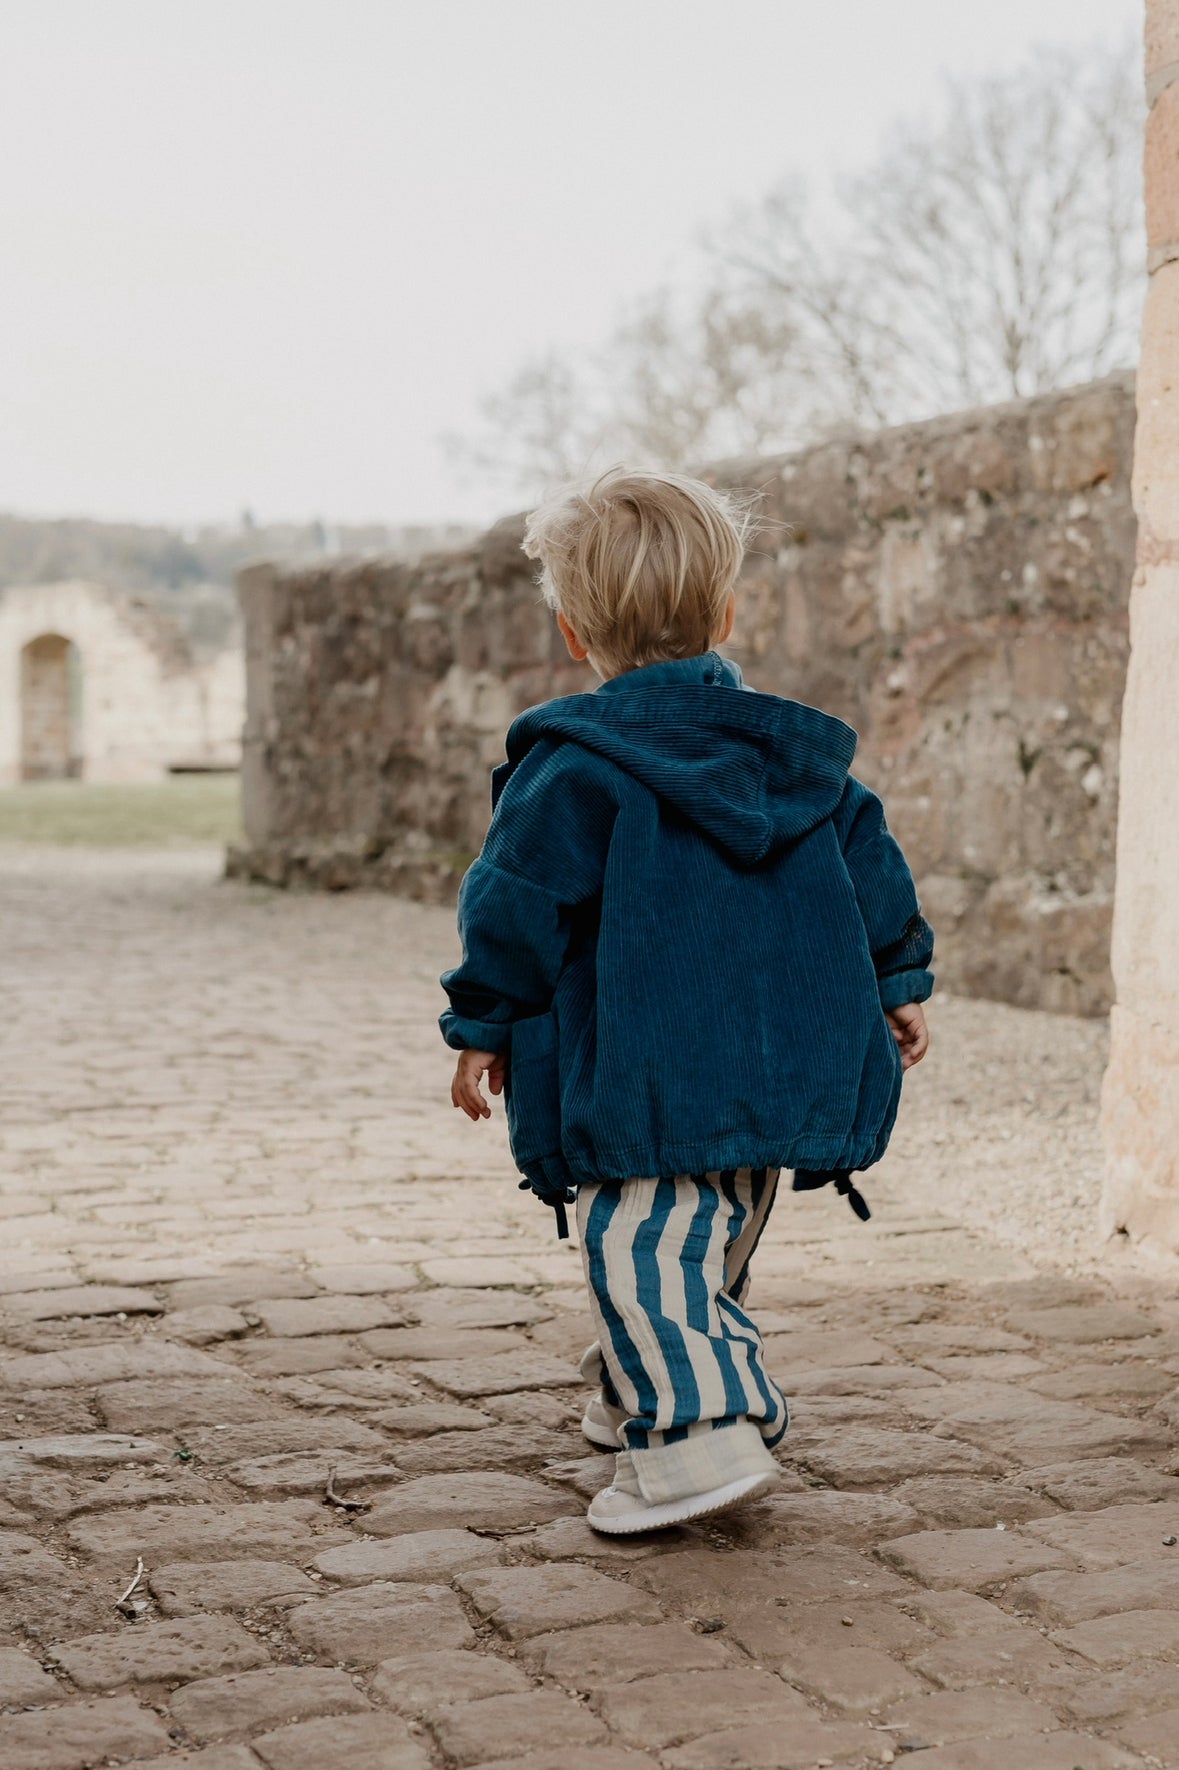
(667, 1264)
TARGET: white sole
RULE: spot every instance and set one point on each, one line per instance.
(683, 1511)
(600, 1436)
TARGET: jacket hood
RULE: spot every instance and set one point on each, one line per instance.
(752, 771)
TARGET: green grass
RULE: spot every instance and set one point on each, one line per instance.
(176, 812)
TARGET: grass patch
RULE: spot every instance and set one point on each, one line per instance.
(177, 812)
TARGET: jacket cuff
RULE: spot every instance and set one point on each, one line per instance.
(905, 986)
(475, 1035)
(550, 1178)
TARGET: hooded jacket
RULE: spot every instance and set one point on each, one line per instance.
(683, 930)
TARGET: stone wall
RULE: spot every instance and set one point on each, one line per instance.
(106, 686)
(956, 590)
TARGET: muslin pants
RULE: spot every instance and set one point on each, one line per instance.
(667, 1264)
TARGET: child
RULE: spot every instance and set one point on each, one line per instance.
(692, 956)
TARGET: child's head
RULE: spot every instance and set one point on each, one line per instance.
(639, 567)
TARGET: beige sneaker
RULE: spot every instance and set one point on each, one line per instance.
(601, 1423)
(617, 1513)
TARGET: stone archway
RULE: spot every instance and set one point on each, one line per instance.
(50, 709)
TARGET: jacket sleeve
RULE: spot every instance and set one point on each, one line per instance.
(899, 938)
(544, 855)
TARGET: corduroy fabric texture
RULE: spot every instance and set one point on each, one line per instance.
(683, 929)
(668, 1273)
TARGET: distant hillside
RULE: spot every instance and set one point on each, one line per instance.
(191, 570)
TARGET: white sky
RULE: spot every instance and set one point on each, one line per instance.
(265, 252)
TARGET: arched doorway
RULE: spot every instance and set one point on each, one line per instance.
(50, 709)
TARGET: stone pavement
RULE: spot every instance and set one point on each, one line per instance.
(245, 1243)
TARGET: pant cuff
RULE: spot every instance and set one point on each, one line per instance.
(709, 1457)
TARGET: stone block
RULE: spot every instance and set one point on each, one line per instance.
(1092, 1483)
(958, 1503)
(112, 1361)
(485, 1499)
(1113, 1536)
(601, 1654)
(574, 1757)
(420, 1419)
(307, 1471)
(362, 1742)
(1096, 1699)
(1156, 1737)
(429, 1556)
(1162, 151)
(852, 1679)
(923, 1720)
(418, 1682)
(191, 1587)
(499, 1373)
(697, 1582)
(767, 1745)
(297, 1358)
(79, 1734)
(793, 1353)
(1075, 1597)
(957, 1614)
(240, 1285)
(248, 1702)
(1082, 1324)
(434, 1343)
(383, 1620)
(1010, 1657)
(523, 1601)
(511, 1726)
(153, 1653)
(288, 1317)
(205, 1326)
(263, 1530)
(171, 1405)
(1032, 1751)
(778, 1634)
(828, 1516)
(664, 1709)
(868, 1456)
(972, 1559)
(451, 1308)
(499, 1447)
(363, 1281)
(23, 1682)
(1124, 1638)
(83, 1299)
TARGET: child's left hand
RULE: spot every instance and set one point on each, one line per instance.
(910, 1032)
(465, 1092)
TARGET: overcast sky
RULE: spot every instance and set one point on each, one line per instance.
(265, 253)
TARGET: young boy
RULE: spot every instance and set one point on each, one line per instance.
(692, 956)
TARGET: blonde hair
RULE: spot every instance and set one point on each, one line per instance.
(640, 564)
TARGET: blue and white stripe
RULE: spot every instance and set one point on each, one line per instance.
(667, 1262)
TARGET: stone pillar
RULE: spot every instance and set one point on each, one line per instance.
(1140, 1104)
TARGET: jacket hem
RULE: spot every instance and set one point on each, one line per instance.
(694, 1158)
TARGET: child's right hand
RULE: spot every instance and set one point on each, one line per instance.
(910, 1032)
(465, 1092)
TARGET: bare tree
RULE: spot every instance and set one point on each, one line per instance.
(996, 253)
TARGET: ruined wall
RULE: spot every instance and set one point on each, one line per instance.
(105, 686)
(956, 590)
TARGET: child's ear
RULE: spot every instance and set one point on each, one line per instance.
(730, 617)
(577, 651)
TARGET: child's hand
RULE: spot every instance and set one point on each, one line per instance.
(910, 1032)
(465, 1092)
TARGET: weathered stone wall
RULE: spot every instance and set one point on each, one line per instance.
(956, 590)
(106, 686)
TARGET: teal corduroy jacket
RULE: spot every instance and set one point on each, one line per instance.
(683, 930)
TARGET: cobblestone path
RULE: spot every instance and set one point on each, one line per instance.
(244, 1242)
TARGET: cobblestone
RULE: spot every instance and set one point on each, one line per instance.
(247, 1241)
